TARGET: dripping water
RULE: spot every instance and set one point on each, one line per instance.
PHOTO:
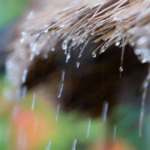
(145, 88)
(61, 84)
(48, 146)
(105, 110)
(122, 58)
(74, 144)
(114, 133)
(33, 101)
(24, 75)
(88, 129)
(57, 113)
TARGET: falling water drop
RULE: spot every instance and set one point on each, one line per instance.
(88, 130)
(31, 57)
(64, 45)
(94, 54)
(121, 69)
(24, 92)
(57, 113)
(77, 64)
(23, 36)
(63, 76)
(53, 49)
(114, 133)
(74, 144)
(105, 110)
(33, 101)
(60, 90)
(67, 57)
(48, 146)
(31, 15)
(122, 58)
(24, 75)
(117, 43)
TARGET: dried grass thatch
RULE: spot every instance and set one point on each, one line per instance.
(85, 26)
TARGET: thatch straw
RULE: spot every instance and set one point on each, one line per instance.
(76, 23)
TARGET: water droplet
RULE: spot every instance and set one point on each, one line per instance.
(141, 41)
(77, 64)
(63, 76)
(45, 56)
(33, 102)
(137, 51)
(74, 144)
(117, 43)
(57, 113)
(31, 57)
(24, 75)
(114, 133)
(105, 110)
(23, 36)
(121, 69)
(67, 57)
(81, 40)
(62, 26)
(64, 45)
(144, 61)
(94, 54)
(48, 146)
(31, 15)
(60, 90)
(88, 130)
(53, 49)
(24, 92)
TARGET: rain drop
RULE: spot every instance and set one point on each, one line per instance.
(105, 110)
(60, 90)
(52, 49)
(121, 69)
(67, 57)
(74, 144)
(88, 130)
(94, 54)
(77, 64)
(57, 113)
(114, 133)
(33, 102)
(64, 45)
(24, 75)
(117, 43)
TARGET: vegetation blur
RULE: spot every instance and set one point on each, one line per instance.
(22, 127)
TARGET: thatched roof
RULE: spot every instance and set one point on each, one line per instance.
(54, 30)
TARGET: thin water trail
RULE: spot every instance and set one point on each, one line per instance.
(33, 102)
(24, 75)
(122, 57)
(88, 129)
(145, 88)
(49, 145)
(105, 110)
(61, 84)
(74, 144)
(57, 113)
(114, 133)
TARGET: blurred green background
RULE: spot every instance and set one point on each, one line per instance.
(23, 128)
